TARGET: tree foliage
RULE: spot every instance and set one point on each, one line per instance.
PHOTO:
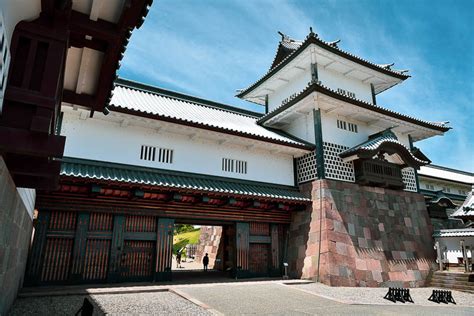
(183, 228)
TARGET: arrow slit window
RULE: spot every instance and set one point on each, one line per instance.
(152, 153)
(234, 165)
(351, 127)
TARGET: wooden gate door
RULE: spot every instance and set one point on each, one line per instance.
(259, 249)
(138, 254)
(51, 253)
(70, 247)
(164, 249)
(89, 247)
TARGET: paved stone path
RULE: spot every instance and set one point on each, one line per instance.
(278, 299)
(240, 298)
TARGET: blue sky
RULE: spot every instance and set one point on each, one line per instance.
(210, 48)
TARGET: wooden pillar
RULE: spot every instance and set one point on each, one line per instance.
(275, 267)
(35, 262)
(372, 90)
(79, 248)
(318, 141)
(116, 249)
(242, 231)
(417, 181)
(266, 104)
(438, 255)
(464, 256)
(164, 249)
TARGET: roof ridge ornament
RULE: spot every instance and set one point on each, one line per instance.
(387, 66)
(284, 37)
(311, 33)
(334, 43)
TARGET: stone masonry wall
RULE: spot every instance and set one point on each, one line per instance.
(15, 235)
(209, 241)
(369, 236)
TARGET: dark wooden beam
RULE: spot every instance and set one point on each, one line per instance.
(20, 141)
(132, 13)
(32, 166)
(39, 183)
(81, 24)
(80, 41)
(107, 75)
(72, 97)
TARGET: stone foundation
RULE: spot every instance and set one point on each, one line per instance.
(209, 241)
(15, 235)
(355, 235)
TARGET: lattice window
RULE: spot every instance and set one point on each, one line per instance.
(306, 168)
(408, 177)
(234, 165)
(152, 153)
(351, 127)
(334, 167)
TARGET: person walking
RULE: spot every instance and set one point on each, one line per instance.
(205, 261)
(178, 259)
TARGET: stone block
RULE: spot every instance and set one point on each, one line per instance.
(377, 276)
(361, 264)
(341, 248)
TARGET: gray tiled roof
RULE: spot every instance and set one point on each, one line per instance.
(318, 86)
(463, 232)
(467, 208)
(159, 103)
(313, 38)
(375, 141)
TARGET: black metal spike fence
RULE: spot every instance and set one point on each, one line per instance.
(398, 294)
(442, 296)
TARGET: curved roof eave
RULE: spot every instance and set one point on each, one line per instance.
(317, 87)
(312, 38)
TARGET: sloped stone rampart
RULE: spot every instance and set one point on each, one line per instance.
(15, 235)
(354, 235)
(209, 243)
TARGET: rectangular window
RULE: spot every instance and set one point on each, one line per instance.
(347, 126)
(152, 153)
(429, 186)
(234, 165)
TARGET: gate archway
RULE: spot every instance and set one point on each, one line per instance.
(98, 231)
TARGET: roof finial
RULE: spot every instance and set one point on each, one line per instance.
(284, 37)
(311, 32)
(334, 43)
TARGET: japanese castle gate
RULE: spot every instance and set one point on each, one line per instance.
(92, 230)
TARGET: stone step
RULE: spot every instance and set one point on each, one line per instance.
(468, 284)
(464, 288)
(451, 279)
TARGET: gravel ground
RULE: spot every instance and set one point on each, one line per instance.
(365, 295)
(157, 303)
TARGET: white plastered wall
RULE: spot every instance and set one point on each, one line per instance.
(302, 127)
(28, 196)
(295, 85)
(103, 140)
(335, 80)
(451, 247)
